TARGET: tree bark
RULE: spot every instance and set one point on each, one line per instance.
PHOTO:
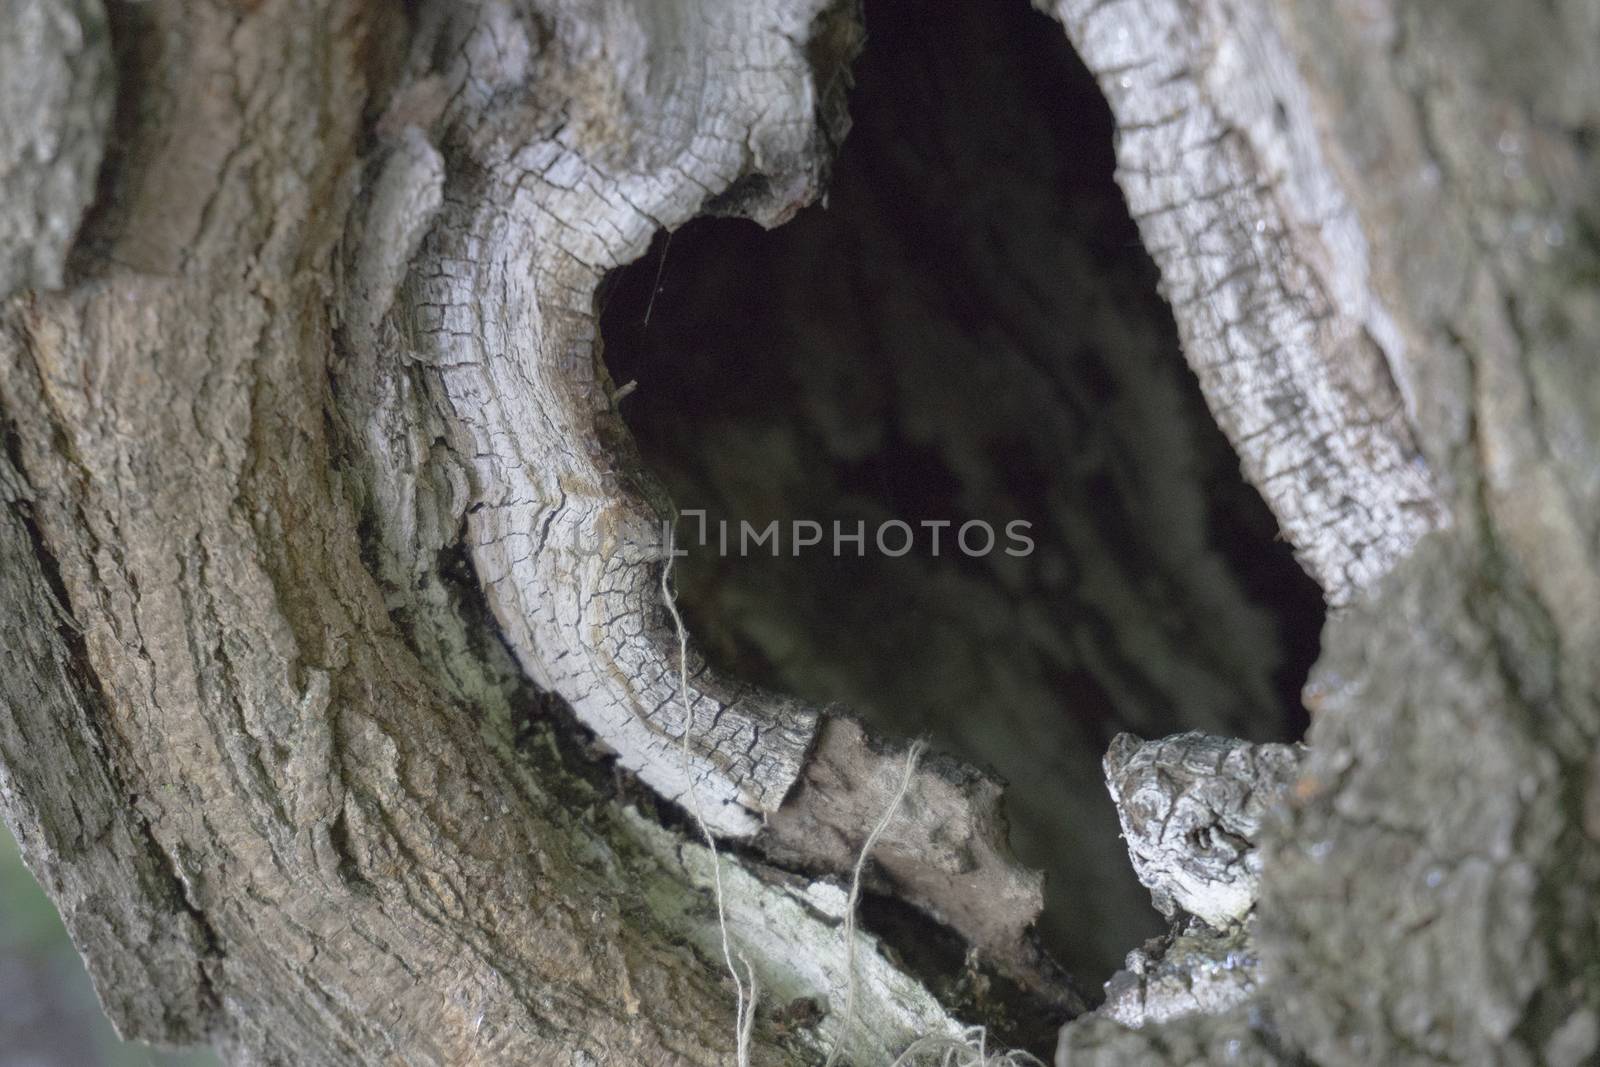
(327, 322)
(1426, 169)
(322, 531)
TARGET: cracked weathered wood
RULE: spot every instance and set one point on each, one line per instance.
(1191, 808)
(537, 205)
(1192, 971)
(1428, 900)
(1266, 266)
(312, 840)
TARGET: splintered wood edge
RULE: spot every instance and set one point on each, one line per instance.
(540, 198)
(1266, 267)
(502, 248)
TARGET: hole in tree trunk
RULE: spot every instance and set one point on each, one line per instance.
(969, 332)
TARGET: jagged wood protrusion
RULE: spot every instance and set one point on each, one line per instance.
(1266, 267)
(1429, 898)
(946, 852)
(556, 171)
(1191, 808)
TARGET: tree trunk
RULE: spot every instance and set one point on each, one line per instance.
(1376, 223)
(342, 713)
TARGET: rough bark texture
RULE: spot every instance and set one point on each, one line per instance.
(116, 890)
(316, 420)
(55, 105)
(1428, 899)
(1192, 808)
(969, 331)
(1266, 266)
(296, 826)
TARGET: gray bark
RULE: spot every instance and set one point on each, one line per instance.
(261, 737)
(1420, 899)
(328, 330)
(1192, 808)
(968, 331)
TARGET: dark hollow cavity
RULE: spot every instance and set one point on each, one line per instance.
(969, 331)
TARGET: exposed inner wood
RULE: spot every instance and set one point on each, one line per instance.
(240, 473)
(287, 439)
(1426, 899)
(1267, 264)
(969, 330)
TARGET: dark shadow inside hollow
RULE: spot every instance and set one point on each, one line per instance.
(968, 332)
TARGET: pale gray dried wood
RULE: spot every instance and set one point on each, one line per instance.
(1195, 970)
(543, 194)
(1427, 902)
(1192, 807)
(360, 868)
(1266, 266)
